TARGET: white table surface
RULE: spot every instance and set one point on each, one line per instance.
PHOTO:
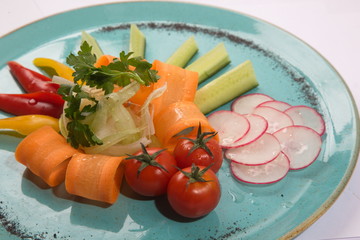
(332, 27)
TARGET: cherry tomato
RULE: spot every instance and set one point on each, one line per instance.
(194, 191)
(201, 150)
(149, 171)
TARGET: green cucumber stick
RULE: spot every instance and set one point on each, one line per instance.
(211, 62)
(226, 87)
(184, 53)
(137, 42)
(93, 43)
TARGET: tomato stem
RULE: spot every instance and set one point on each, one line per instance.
(200, 142)
(146, 159)
(196, 175)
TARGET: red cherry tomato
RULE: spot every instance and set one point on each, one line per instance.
(194, 191)
(202, 150)
(149, 171)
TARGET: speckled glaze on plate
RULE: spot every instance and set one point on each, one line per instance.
(286, 68)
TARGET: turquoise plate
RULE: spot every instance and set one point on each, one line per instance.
(286, 68)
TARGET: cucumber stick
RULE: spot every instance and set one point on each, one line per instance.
(137, 42)
(211, 62)
(93, 43)
(226, 87)
(184, 53)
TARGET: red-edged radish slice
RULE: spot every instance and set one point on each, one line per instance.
(278, 105)
(258, 126)
(307, 116)
(246, 104)
(276, 119)
(262, 174)
(230, 126)
(263, 150)
(300, 144)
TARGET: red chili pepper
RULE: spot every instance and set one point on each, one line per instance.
(30, 80)
(45, 103)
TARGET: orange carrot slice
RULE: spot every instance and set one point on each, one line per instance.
(95, 177)
(46, 153)
(177, 118)
(104, 60)
(142, 94)
(181, 85)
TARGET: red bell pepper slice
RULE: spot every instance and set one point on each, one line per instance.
(44, 103)
(30, 80)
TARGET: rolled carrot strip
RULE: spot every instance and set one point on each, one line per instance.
(46, 153)
(95, 177)
(177, 118)
(181, 85)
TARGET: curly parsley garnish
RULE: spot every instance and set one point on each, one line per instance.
(120, 72)
(78, 132)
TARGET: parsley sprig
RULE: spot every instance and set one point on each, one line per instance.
(120, 72)
(79, 133)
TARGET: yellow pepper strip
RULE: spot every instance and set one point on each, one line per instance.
(53, 67)
(26, 124)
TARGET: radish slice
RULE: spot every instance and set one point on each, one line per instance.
(258, 126)
(263, 150)
(276, 119)
(247, 103)
(266, 173)
(308, 117)
(278, 105)
(301, 145)
(230, 126)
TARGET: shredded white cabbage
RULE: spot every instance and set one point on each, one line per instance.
(120, 126)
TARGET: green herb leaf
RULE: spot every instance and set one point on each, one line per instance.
(80, 134)
(83, 64)
(121, 71)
